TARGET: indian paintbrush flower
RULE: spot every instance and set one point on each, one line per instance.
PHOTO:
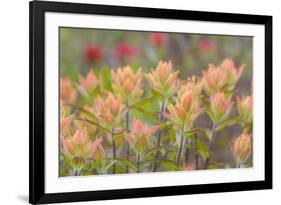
(138, 137)
(163, 79)
(222, 78)
(193, 85)
(109, 111)
(127, 84)
(220, 106)
(97, 150)
(76, 148)
(245, 109)
(185, 110)
(65, 122)
(89, 83)
(242, 148)
(68, 93)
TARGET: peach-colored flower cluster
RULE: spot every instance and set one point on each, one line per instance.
(127, 84)
(78, 148)
(222, 78)
(143, 121)
(163, 79)
(108, 111)
(138, 137)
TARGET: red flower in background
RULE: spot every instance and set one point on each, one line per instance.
(205, 45)
(157, 39)
(124, 50)
(92, 53)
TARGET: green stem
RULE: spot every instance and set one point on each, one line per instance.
(138, 162)
(76, 172)
(213, 135)
(187, 151)
(155, 165)
(238, 165)
(113, 152)
(180, 148)
(127, 143)
(196, 154)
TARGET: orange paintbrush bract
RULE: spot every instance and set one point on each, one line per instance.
(139, 135)
(127, 84)
(245, 108)
(88, 83)
(163, 79)
(242, 148)
(222, 78)
(220, 105)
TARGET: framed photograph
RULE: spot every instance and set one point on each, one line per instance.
(130, 102)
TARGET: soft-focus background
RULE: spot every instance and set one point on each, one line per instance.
(82, 48)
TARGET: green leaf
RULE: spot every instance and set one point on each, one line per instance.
(90, 165)
(203, 153)
(127, 163)
(247, 165)
(163, 125)
(105, 76)
(208, 110)
(168, 163)
(172, 135)
(204, 133)
(149, 152)
(95, 123)
(118, 136)
(227, 123)
(109, 165)
(150, 115)
(89, 114)
(248, 127)
(157, 94)
(144, 101)
(201, 149)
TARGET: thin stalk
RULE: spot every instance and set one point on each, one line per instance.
(76, 172)
(159, 133)
(113, 152)
(127, 143)
(213, 135)
(138, 162)
(238, 165)
(196, 154)
(196, 161)
(187, 151)
(180, 148)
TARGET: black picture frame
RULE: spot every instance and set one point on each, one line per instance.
(37, 11)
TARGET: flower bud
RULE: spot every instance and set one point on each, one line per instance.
(245, 109)
(242, 148)
(220, 106)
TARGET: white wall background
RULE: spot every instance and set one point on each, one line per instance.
(14, 100)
